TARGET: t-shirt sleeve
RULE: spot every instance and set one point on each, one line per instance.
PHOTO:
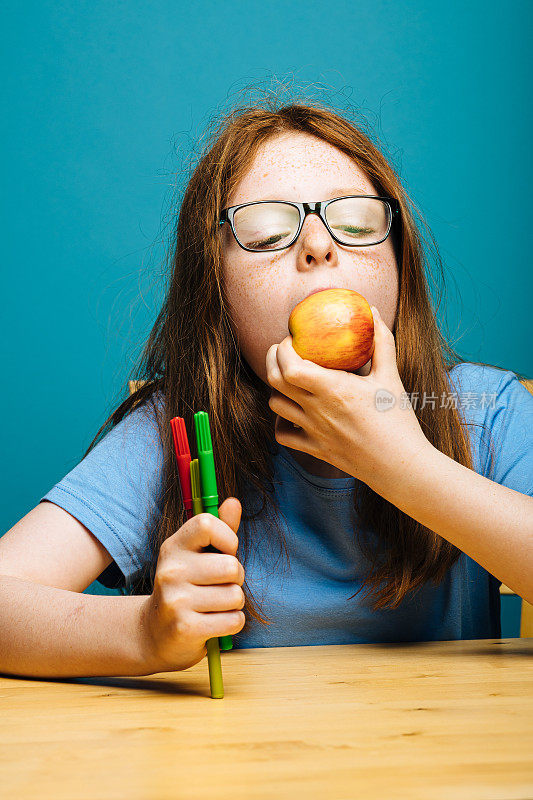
(510, 419)
(116, 490)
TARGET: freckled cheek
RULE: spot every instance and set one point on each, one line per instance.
(370, 273)
(258, 314)
(255, 311)
(376, 278)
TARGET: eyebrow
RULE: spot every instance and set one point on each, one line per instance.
(328, 195)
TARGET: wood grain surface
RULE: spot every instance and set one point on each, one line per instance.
(425, 720)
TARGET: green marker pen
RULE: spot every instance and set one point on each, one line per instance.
(209, 483)
(216, 683)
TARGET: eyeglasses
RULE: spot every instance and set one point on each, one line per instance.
(355, 221)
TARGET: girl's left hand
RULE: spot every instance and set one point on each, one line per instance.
(363, 425)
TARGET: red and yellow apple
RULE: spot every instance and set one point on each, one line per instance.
(333, 328)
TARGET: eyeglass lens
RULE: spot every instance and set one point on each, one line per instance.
(353, 220)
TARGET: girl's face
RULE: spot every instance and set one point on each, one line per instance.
(263, 288)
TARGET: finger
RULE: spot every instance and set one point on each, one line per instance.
(384, 355)
(228, 597)
(204, 530)
(300, 374)
(297, 439)
(230, 512)
(207, 569)
(221, 623)
(286, 408)
(278, 380)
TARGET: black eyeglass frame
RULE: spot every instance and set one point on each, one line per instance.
(318, 207)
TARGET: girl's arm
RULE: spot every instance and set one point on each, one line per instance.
(491, 523)
(340, 422)
(47, 627)
(50, 632)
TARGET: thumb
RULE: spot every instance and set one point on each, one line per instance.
(384, 355)
(230, 512)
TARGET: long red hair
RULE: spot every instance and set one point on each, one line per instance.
(194, 320)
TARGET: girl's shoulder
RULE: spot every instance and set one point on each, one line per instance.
(498, 411)
(484, 387)
(470, 375)
(116, 489)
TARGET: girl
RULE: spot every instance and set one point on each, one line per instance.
(425, 503)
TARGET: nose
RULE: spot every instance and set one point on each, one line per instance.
(316, 243)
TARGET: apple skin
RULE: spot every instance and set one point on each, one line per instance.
(333, 328)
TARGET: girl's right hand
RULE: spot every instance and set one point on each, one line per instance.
(197, 595)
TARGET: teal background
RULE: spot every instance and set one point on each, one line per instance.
(103, 104)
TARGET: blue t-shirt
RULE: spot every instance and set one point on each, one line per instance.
(115, 489)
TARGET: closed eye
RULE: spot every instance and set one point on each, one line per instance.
(271, 240)
(353, 229)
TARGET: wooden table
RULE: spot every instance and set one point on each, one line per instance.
(410, 720)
